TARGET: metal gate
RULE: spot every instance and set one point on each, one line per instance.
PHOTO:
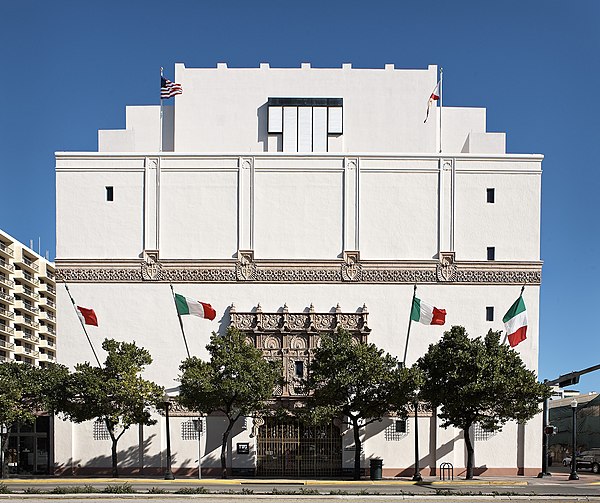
(289, 448)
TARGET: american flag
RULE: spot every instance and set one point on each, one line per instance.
(169, 89)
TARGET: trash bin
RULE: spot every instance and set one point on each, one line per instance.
(376, 468)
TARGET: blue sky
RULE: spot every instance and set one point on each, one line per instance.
(70, 67)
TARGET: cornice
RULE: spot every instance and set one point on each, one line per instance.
(348, 270)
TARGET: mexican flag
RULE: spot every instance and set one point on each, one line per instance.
(426, 313)
(515, 322)
(87, 316)
(194, 307)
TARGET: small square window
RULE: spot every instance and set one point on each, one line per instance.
(109, 193)
(491, 253)
(489, 313)
(491, 195)
(401, 426)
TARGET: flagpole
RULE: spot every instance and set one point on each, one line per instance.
(409, 324)
(161, 118)
(83, 326)
(180, 322)
(441, 104)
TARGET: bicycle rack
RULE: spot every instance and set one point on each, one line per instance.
(446, 469)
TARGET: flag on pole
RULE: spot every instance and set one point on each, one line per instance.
(87, 316)
(435, 96)
(194, 307)
(426, 313)
(515, 322)
(169, 89)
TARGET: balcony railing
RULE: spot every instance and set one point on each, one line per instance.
(30, 307)
(6, 329)
(4, 358)
(7, 298)
(7, 314)
(28, 277)
(6, 249)
(7, 266)
(29, 337)
(28, 351)
(7, 345)
(7, 282)
(21, 320)
(25, 290)
(51, 289)
(30, 263)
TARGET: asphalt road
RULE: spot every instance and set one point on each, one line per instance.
(556, 489)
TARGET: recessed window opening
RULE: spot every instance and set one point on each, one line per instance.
(299, 369)
(491, 195)
(401, 426)
(491, 253)
(489, 313)
(109, 193)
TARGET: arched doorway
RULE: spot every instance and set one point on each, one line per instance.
(290, 448)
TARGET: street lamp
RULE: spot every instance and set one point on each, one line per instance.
(417, 476)
(573, 475)
(168, 473)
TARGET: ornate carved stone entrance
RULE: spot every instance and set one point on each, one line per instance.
(285, 446)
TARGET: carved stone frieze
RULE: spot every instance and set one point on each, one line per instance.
(246, 269)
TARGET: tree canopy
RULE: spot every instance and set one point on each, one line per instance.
(478, 381)
(26, 392)
(358, 383)
(116, 393)
(237, 381)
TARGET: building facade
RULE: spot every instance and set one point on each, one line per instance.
(295, 201)
(27, 304)
(28, 335)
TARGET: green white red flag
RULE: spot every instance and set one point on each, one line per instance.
(426, 313)
(515, 322)
(87, 316)
(194, 307)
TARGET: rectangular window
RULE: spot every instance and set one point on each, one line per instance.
(109, 193)
(491, 195)
(401, 426)
(489, 313)
(491, 253)
(299, 369)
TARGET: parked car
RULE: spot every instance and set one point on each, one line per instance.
(588, 460)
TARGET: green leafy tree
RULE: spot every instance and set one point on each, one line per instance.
(25, 393)
(358, 383)
(115, 393)
(237, 381)
(478, 381)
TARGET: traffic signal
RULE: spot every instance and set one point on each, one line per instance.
(568, 380)
(550, 430)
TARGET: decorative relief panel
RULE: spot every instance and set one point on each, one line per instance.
(351, 268)
(289, 338)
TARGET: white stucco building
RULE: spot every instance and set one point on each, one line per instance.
(304, 198)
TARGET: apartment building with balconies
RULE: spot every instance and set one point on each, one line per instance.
(27, 304)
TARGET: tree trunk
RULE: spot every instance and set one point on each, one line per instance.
(470, 452)
(114, 439)
(357, 447)
(4, 447)
(224, 448)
